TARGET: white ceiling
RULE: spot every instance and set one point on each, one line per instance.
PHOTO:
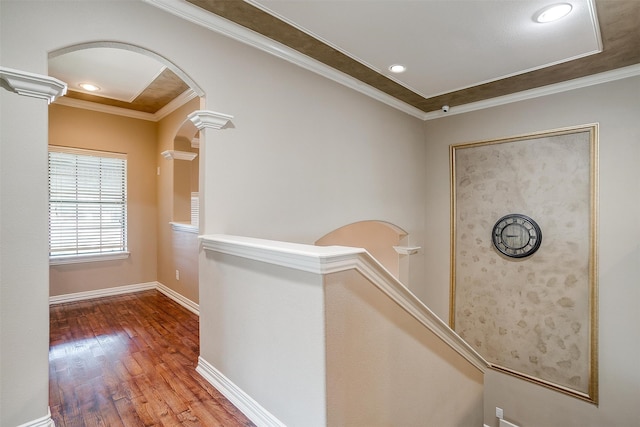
(446, 45)
(121, 74)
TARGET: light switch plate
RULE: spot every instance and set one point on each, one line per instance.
(499, 413)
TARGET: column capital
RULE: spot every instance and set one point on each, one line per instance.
(203, 119)
(34, 85)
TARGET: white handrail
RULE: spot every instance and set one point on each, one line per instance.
(332, 259)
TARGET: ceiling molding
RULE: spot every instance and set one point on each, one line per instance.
(234, 31)
(216, 23)
(101, 108)
(595, 79)
(178, 102)
(33, 85)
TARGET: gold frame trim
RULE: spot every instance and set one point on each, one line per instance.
(593, 385)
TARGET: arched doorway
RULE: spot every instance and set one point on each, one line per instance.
(155, 98)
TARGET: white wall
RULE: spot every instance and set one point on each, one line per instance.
(263, 329)
(24, 260)
(303, 155)
(616, 106)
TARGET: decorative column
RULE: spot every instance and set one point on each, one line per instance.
(203, 120)
(24, 283)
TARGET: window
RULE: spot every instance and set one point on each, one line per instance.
(87, 205)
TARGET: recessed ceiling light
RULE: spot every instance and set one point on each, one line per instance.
(90, 87)
(397, 68)
(552, 13)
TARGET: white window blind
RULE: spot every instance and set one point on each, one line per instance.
(195, 208)
(87, 203)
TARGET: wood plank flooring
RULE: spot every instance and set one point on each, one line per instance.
(130, 360)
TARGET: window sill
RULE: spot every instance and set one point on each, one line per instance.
(77, 259)
(184, 226)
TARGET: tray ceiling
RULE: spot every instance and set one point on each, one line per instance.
(456, 52)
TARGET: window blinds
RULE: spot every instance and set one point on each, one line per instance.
(87, 202)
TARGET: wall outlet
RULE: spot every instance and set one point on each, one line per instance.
(178, 278)
(499, 413)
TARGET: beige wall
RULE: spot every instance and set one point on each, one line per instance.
(616, 107)
(384, 368)
(74, 127)
(156, 249)
(378, 238)
(290, 166)
(177, 250)
(305, 156)
(185, 173)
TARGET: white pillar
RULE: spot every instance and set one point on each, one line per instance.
(24, 253)
(206, 121)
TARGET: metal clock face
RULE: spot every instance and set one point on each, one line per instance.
(516, 236)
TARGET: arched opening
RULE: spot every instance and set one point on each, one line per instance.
(103, 47)
(140, 111)
(379, 238)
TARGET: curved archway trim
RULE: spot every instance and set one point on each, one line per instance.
(133, 48)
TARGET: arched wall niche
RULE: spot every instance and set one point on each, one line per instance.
(187, 132)
(379, 238)
(186, 170)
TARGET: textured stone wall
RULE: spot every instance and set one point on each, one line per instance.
(528, 315)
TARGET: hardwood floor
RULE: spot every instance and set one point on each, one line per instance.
(129, 360)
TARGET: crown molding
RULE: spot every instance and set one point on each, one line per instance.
(178, 102)
(229, 29)
(234, 31)
(33, 85)
(108, 109)
(209, 119)
(179, 155)
(592, 80)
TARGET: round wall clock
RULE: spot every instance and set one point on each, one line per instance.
(516, 236)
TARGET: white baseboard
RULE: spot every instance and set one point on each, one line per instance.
(119, 290)
(249, 407)
(179, 298)
(45, 421)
